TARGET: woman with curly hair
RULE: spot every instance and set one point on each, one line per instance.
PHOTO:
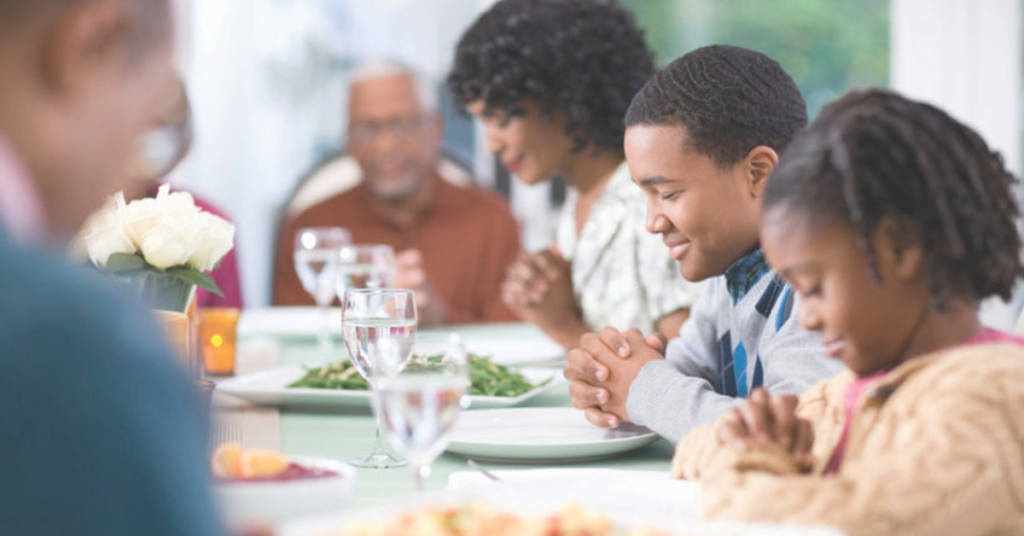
(551, 82)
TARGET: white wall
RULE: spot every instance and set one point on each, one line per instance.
(966, 56)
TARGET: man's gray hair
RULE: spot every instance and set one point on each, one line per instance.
(370, 70)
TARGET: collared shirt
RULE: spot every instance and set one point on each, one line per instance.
(21, 210)
(468, 238)
(744, 273)
(622, 275)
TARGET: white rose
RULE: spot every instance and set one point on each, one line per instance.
(139, 217)
(179, 205)
(216, 237)
(169, 244)
(103, 234)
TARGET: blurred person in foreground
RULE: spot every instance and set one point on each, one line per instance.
(104, 434)
(453, 244)
(163, 148)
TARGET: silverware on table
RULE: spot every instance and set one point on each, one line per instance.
(480, 468)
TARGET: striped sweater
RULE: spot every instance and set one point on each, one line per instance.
(742, 333)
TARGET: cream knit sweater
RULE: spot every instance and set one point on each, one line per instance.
(936, 448)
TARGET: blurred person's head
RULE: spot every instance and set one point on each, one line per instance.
(550, 80)
(702, 138)
(168, 140)
(394, 129)
(79, 83)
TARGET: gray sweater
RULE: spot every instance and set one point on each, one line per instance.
(724, 351)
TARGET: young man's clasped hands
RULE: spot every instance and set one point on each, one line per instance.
(602, 369)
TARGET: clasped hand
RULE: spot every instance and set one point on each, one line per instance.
(602, 369)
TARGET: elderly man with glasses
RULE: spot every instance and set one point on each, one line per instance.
(454, 242)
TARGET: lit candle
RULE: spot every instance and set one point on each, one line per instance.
(219, 328)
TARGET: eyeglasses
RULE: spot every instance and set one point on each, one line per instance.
(404, 128)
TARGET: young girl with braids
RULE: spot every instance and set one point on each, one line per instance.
(892, 221)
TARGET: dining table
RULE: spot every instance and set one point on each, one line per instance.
(631, 484)
(348, 434)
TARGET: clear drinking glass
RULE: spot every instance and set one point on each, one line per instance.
(379, 327)
(316, 254)
(419, 404)
(365, 267)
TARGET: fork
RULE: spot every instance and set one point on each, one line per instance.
(480, 468)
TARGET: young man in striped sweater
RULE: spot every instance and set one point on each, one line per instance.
(703, 137)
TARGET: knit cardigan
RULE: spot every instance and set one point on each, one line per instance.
(935, 447)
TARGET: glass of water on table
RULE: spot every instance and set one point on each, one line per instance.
(316, 261)
(379, 328)
(365, 266)
(419, 404)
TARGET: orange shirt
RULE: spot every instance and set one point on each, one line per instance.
(468, 238)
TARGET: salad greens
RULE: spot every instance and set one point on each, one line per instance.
(486, 378)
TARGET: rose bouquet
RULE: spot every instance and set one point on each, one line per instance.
(160, 246)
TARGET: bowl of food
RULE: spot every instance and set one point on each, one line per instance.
(254, 487)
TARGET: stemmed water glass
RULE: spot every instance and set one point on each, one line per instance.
(368, 266)
(419, 404)
(379, 327)
(316, 261)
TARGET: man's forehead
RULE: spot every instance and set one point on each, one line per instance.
(384, 96)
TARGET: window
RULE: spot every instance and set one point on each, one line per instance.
(828, 47)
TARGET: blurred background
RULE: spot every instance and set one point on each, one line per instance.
(268, 82)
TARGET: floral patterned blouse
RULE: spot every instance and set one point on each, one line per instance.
(622, 275)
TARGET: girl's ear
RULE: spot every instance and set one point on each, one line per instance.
(898, 248)
(760, 163)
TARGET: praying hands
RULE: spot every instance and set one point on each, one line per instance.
(538, 288)
(604, 367)
(764, 419)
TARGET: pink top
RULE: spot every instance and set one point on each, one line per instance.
(21, 210)
(226, 275)
(854, 390)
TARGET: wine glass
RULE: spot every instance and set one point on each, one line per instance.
(419, 404)
(379, 327)
(365, 267)
(316, 251)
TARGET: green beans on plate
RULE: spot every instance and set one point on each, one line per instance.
(486, 377)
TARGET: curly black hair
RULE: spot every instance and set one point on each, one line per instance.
(874, 155)
(582, 58)
(728, 99)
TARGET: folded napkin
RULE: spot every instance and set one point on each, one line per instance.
(597, 476)
(645, 492)
(630, 498)
(286, 322)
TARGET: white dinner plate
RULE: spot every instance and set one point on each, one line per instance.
(539, 435)
(299, 322)
(270, 388)
(512, 351)
(252, 503)
(667, 506)
(509, 345)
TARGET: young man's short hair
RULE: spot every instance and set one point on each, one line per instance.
(728, 99)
